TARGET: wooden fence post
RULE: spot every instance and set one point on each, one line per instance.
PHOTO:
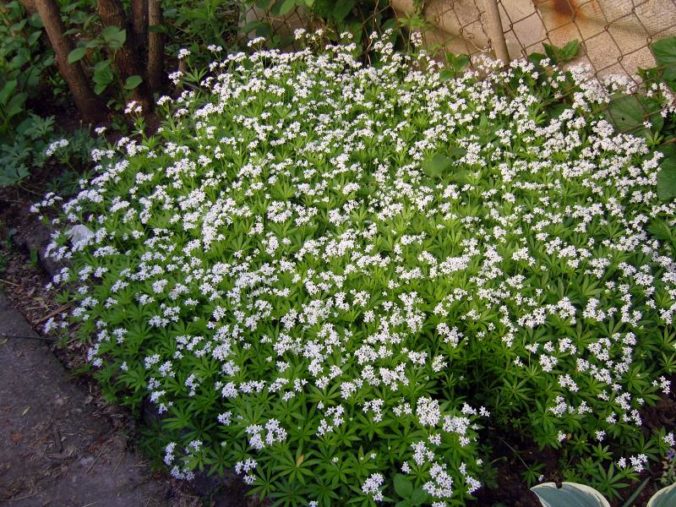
(495, 33)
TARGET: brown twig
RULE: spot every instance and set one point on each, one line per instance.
(59, 310)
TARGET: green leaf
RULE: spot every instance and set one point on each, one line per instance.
(15, 105)
(568, 495)
(132, 82)
(551, 52)
(666, 179)
(34, 37)
(665, 497)
(341, 10)
(661, 230)
(7, 90)
(562, 54)
(9, 175)
(17, 27)
(419, 497)
(664, 51)
(283, 7)
(536, 58)
(103, 76)
(570, 50)
(35, 21)
(403, 486)
(254, 26)
(436, 165)
(158, 29)
(456, 63)
(628, 112)
(77, 54)
(114, 37)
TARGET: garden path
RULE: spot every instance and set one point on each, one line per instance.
(55, 446)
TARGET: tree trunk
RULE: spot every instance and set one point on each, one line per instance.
(90, 106)
(155, 69)
(139, 19)
(139, 23)
(127, 59)
(28, 5)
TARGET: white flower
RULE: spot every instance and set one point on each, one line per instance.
(428, 412)
(372, 487)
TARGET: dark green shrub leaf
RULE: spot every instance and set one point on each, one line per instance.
(283, 7)
(11, 174)
(114, 37)
(132, 82)
(34, 37)
(158, 29)
(77, 54)
(103, 76)
(664, 52)
(35, 21)
(563, 54)
(7, 91)
(15, 105)
(436, 165)
(419, 497)
(666, 179)
(341, 10)
(403, 486)
(628, 113)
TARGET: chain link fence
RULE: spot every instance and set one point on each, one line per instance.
(614, 35)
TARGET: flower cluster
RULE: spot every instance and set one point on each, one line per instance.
(322, 272)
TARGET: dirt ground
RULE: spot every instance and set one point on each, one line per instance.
(57, 447)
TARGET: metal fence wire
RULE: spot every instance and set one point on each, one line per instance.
(614, 35)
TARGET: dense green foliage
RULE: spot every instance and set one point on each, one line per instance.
(27, 77)
(24, 64)
(275, 19)
(323, 273)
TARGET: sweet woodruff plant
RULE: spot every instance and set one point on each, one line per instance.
(326, 275)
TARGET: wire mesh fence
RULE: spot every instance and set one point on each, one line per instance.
(614, 36)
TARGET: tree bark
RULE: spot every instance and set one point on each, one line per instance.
(127, 58)
(139, 23)
(155, 68)
(28, 5)
(139, 19)
(91, 107)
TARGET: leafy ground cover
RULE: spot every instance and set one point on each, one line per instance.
(344, 280)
